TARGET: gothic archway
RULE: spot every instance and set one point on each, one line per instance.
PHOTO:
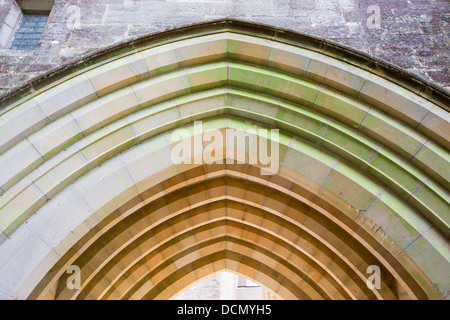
(363, 172)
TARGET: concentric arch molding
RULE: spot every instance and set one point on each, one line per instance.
(87, 177)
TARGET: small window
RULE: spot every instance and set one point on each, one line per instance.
(29, 32)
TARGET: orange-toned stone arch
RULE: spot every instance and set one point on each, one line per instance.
(170, 229)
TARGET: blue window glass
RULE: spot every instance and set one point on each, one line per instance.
(29, 32)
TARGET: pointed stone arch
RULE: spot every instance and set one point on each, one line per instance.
(363, 171)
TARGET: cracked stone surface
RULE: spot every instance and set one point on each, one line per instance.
(413, 34)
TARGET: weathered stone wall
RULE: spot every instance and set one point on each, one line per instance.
(413, 34)
(208, 289)
(222, 286)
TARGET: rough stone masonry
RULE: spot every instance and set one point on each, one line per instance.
(413, 34)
